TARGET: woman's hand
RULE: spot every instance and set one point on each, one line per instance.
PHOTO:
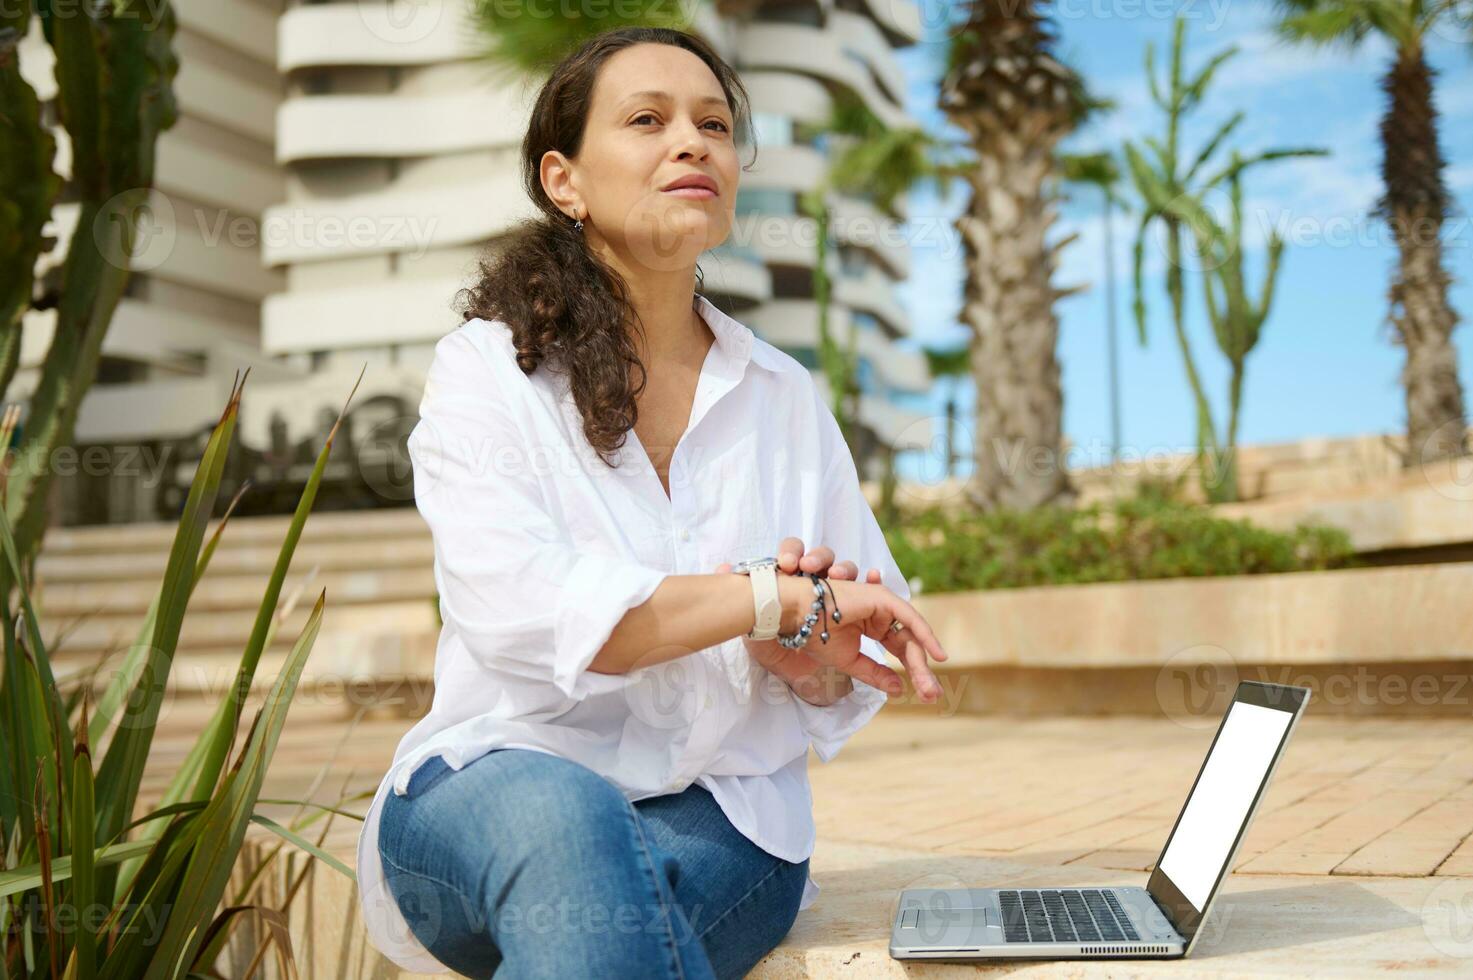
(812, 681)
(868, 609)
(816, 681)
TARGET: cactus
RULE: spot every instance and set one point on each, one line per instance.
(31, 186)
(115, 69)
(1236, 319)
(1168, 194)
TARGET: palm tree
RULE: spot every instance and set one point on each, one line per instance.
(1414, 200)
(1015, 102)
(1099, 170)
(528, 41)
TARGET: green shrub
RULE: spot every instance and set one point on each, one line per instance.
(1149, 536)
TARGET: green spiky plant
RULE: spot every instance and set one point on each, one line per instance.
(1167, 185)
(74, 847)
(115, 67)
(1236, 318)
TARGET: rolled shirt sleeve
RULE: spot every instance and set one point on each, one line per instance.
(522, 597)
(851, 530)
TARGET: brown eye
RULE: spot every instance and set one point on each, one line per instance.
(644, 115)
(721, 125)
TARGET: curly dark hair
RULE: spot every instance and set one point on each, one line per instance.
(561, 301)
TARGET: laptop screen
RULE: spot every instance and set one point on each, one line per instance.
(1235, 770)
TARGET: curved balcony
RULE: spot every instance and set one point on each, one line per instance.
(815, 52)
(900, 20)
(786, 168)
(396, 220)
(861, 224)
(183, 245)
(400, 32)
(397, 311)
(327, 126)
(780, 239)
(873, 293)
(736, 273)
(782, 93)
(794, 322)
(860, 35)
(904, 369)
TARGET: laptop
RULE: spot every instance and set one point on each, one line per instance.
(1161, 920)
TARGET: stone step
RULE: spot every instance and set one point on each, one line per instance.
(350, 525)
(1364, 615)
(345, 672)
(1418, 510)
(366, 551)
(232, 629)
(216, 593)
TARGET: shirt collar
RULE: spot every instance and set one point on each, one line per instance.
(737, 341)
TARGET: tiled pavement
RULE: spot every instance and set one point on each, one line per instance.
(1360, 860)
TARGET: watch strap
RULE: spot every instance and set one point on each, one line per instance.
(766, 605)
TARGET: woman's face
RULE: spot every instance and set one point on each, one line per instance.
(656, 176)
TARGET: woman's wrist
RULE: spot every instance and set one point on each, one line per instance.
(795, 594)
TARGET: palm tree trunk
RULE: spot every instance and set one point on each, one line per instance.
(1414, 202)
(1019, 424)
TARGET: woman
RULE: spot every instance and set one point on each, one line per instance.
(612, 778)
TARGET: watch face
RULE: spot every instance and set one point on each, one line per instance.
(751, 563)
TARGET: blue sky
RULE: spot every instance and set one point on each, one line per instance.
(1325, 364)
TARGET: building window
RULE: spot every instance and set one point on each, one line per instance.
(772, 129)
(765, 201)
(809, 14)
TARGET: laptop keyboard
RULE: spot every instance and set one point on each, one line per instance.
(1064, 915)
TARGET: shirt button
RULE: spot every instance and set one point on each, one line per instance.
(685, 534)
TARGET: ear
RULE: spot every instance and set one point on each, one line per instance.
(556, 172)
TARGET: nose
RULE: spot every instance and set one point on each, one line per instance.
(689, 142)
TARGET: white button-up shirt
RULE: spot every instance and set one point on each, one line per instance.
(541, 548)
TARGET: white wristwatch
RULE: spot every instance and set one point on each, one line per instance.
(765, 601)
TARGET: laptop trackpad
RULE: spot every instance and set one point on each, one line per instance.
(949, 925)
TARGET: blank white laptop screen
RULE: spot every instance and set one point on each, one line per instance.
(1230, 780)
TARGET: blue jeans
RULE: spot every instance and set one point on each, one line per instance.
(524, 864)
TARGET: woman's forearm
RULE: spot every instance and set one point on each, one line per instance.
(692, 612)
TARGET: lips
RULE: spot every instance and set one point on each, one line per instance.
(692, 185)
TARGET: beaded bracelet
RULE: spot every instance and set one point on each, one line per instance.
(794, 641)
